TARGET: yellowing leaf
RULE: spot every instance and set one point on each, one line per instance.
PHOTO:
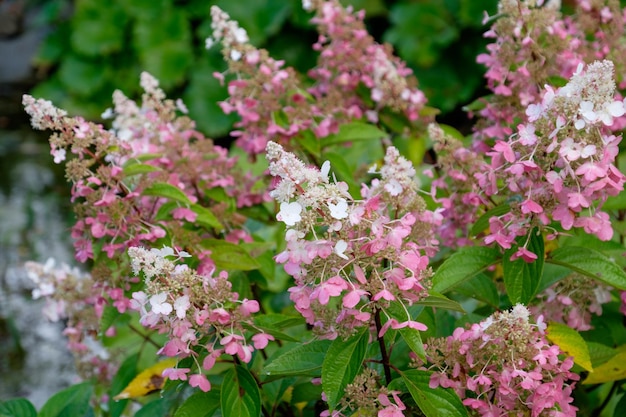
(612, 370)
(571, 343)
(147, 381)
(288, 394)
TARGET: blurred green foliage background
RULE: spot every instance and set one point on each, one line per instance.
(97, 46)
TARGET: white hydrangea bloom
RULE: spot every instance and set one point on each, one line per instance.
(159, 304)
(289, 213)
(340, 248)
(340, 210)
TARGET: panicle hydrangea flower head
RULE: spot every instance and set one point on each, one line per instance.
(534, 42)
(274, 105)
(351, 259)
(43, 114)
(523, 55)
(262, 89)
(369, 397)
(226, 30)
(74, 296)
(572, 301)
(559, 166)
(190, 307)
(567, 171)
(456, 190)
(502, 365)
(349, 56)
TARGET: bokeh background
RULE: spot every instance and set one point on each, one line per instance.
(77, 52)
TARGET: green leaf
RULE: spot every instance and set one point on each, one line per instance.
(310, 143)
(200, 404)
(205, 217)
(275, 391)
(303, 359)
(53, 48)
(18, 407)
(350, 132)
(228, 255)
(413, 339)
(151, 31)
(483, 221)
(413, 147)
(395, 122)
(80, 75)
(305, 393)
(164, 46)
(424, 42)
(240, 395)
(122, 378)
(371, 7)
(164, 212)
(471, 13)
(463, 265)
(145, 8)
(168, 62)
(621, 405)
(571, 343)
(98, 30)
(552, 274)
(591, 263)
(133, 167)
(169, 191)
(204, 92)
(274, 323)
(341, 364)
(438, 402)
(600, 353)
(72, 401)
(157, 408)
(436, 300)
(612, 370)
(616, 202)
(478, 104)
(482, 288)
(522, 278)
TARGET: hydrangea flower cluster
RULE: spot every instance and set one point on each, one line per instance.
(533, 44)
(351, 258)
(504, 366)
(572, 301)
(517, 64)
(349, 57)
(194, 311)
(269, 99)
(560, 164)
(147, 144)
(454, 187)
(74, 297)
(366, 395)
(274, 105)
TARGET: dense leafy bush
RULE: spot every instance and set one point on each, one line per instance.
(320, 265)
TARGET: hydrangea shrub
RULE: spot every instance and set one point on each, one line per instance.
(320, 267)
